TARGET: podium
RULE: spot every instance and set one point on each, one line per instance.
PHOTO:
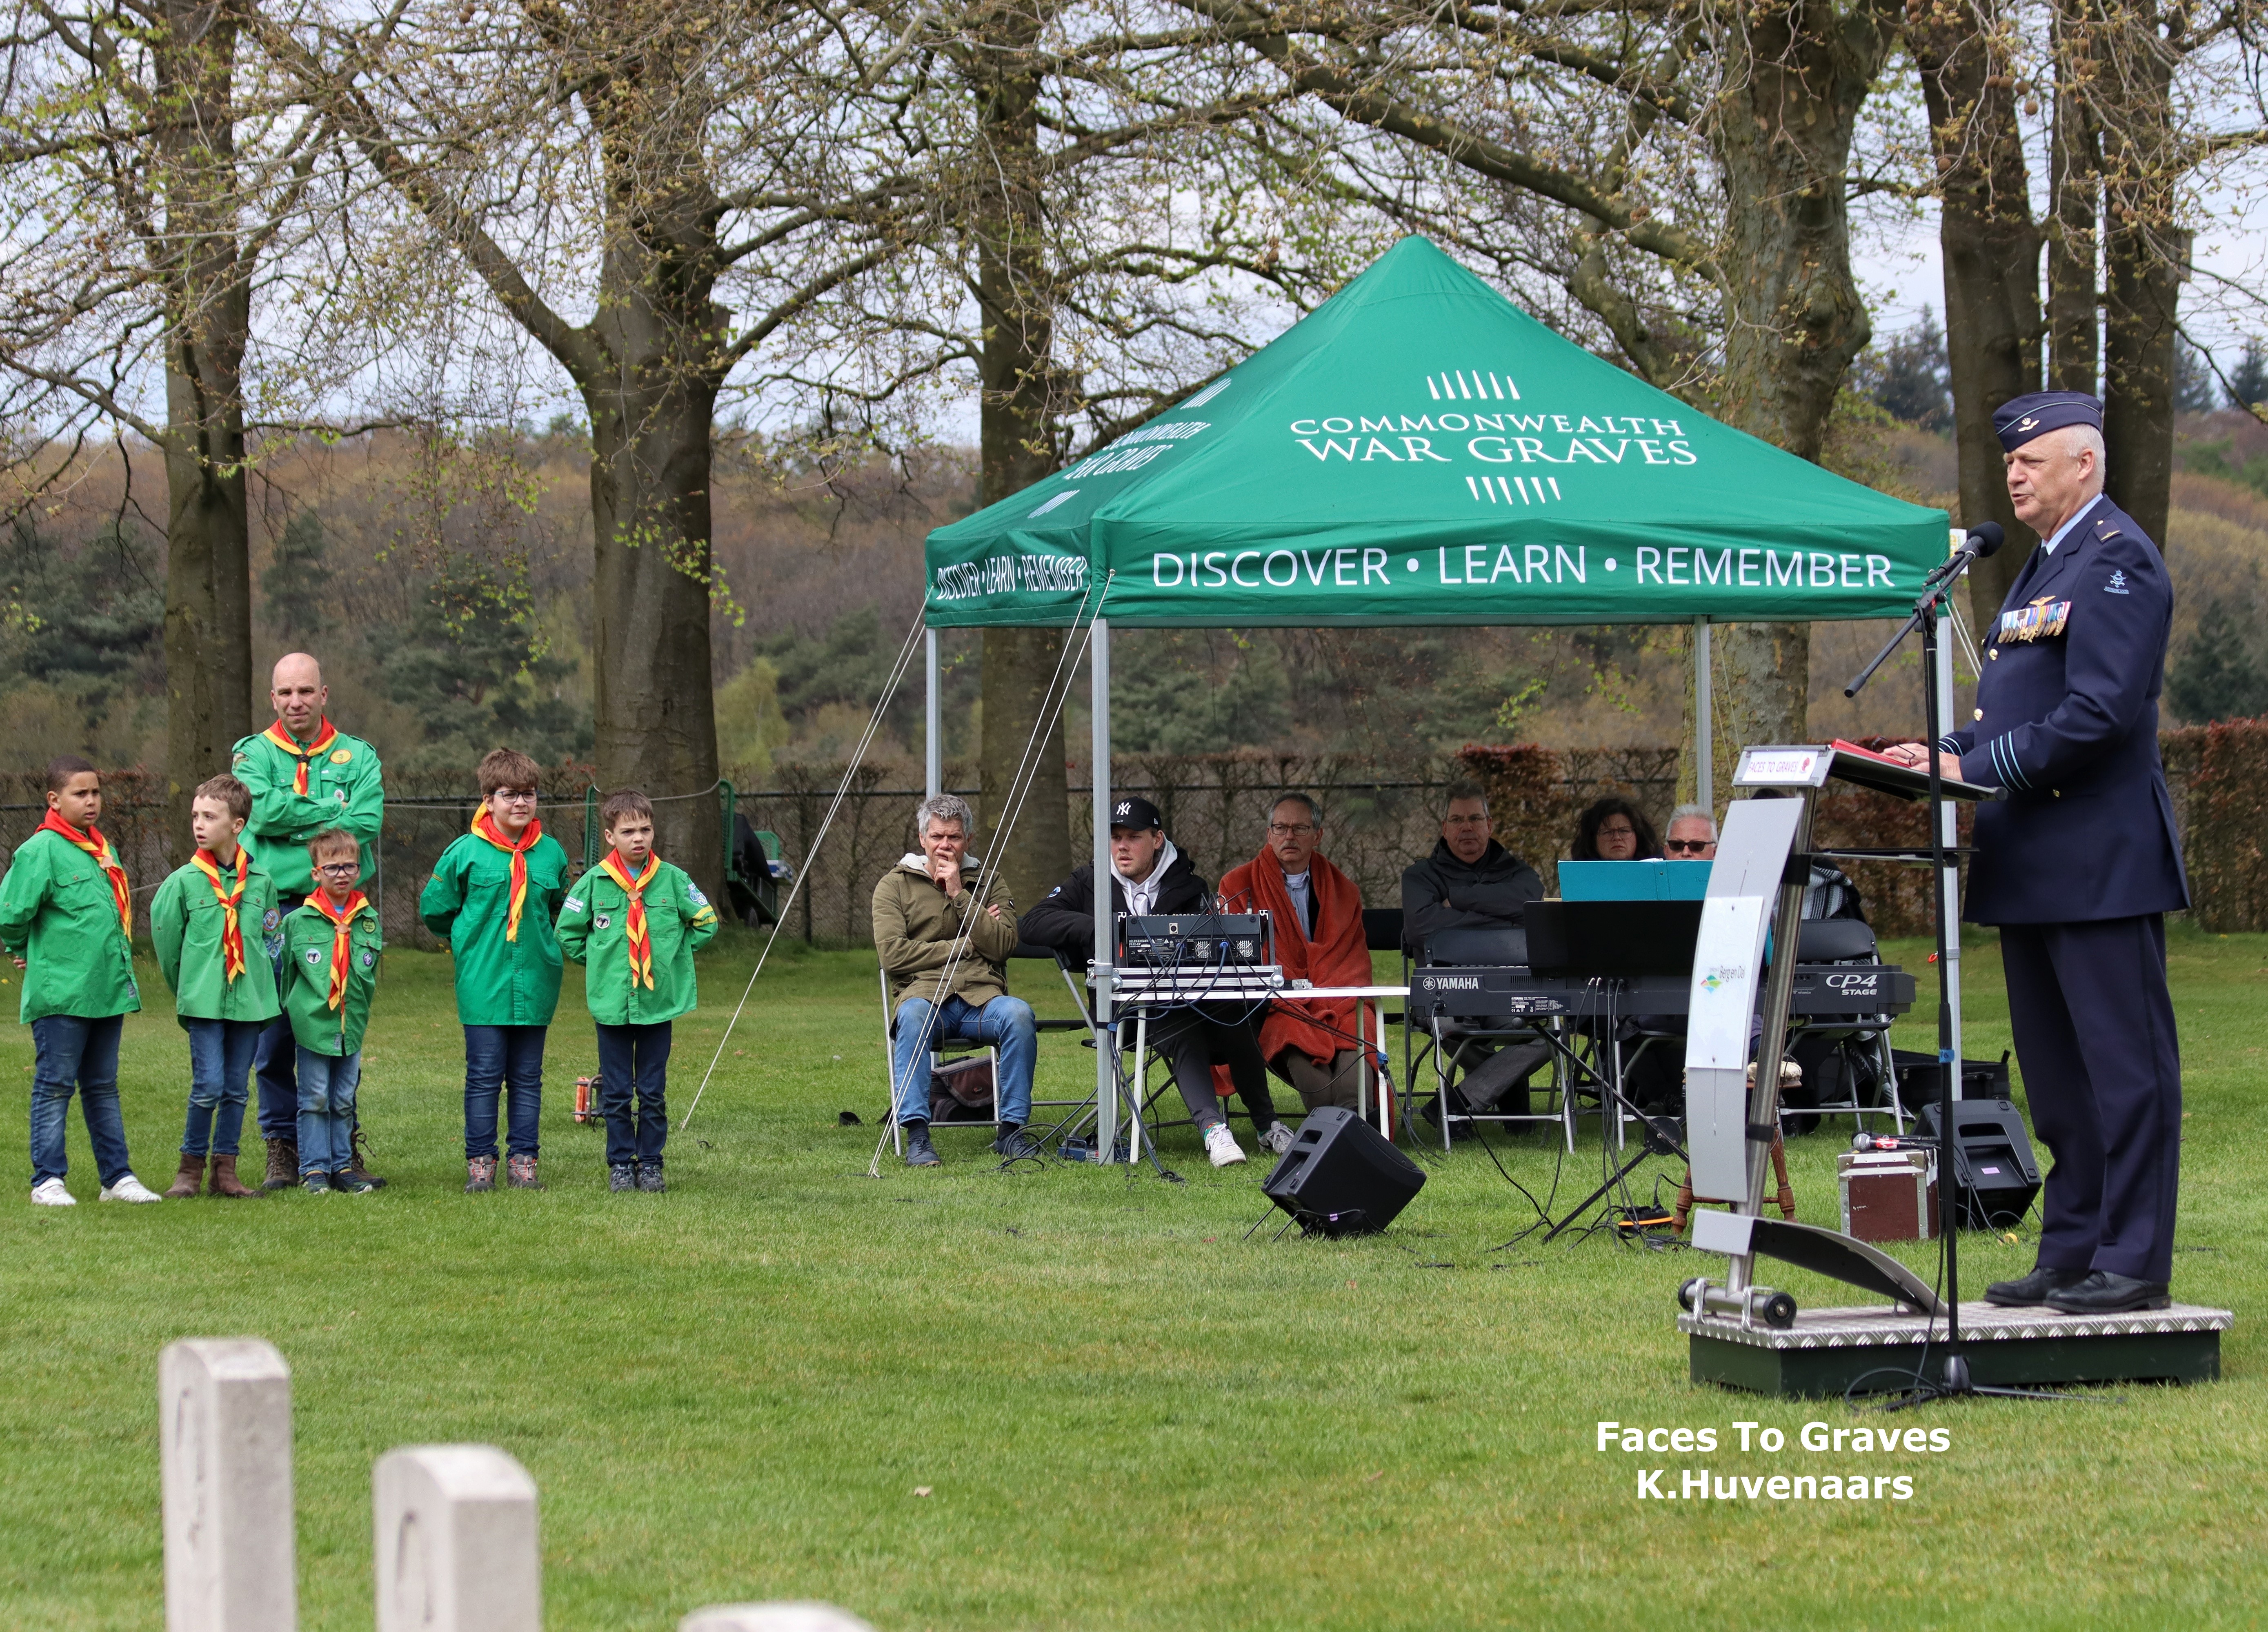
(1745, 1334)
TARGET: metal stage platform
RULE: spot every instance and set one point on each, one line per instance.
(1827, 1350)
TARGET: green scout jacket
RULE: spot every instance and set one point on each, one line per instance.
(185, 928)
(499, 982)
(592, 931)
(56, 910)
(344, 790)
(307, 975)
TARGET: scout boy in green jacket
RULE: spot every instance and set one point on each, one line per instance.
(635, 920)
(492, 897)
(67, 919)
(330, 964)
(217, 930)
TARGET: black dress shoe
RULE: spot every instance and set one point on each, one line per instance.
(2034, 1289)
(2104, 1293)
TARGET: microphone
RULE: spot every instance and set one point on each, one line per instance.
(1982, 540)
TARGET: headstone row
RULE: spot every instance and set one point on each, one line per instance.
(455, 1540)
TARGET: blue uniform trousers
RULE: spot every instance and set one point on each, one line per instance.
(2102, 1072)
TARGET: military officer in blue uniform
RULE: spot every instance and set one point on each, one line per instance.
(2078, 863)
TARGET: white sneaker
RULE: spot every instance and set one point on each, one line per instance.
(50, 1192)
(129, 1189)
(1277, 1140)
(1221, 1147)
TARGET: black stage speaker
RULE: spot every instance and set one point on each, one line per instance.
(1341, 1177)
(1995, 1175)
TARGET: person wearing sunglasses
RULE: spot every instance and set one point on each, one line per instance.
(1692, 835)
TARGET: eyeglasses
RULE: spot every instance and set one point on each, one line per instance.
(1286, 829)
(516, 796)
(1620, 830)
(339, 870)
(1694, 845)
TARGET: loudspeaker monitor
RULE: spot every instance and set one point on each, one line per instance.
(1341, 1176)
(1995, 1175)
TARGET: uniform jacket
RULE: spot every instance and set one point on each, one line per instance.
(56, 911)
(1065, 920)
(918, 931)
(499, 982)
(344, 790)
(184, 929)
(2067, 723)
(306, 976)
(1441, 893)
(595, 932)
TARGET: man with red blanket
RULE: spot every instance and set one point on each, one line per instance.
(1315, 1045)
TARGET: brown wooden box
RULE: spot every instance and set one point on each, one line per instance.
(1889, 1195)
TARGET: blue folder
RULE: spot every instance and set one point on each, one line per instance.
(1633, 880)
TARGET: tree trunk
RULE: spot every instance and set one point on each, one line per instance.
(2073, 183)
(207, 293)
(1991, 251)
(2144, 253)
(1017, 444)
(1795, 77)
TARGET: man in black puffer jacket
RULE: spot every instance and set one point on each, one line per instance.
(1149, 876)
(1471, 882)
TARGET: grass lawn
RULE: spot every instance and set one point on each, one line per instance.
(1127, 1413)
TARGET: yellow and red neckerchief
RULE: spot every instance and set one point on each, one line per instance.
(231, 929)
(484, 827)
(105, 857)
(339, 919)
(326, 734)
(634, 925)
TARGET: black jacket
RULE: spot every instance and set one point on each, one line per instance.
(1066, 919)
(1442, 893)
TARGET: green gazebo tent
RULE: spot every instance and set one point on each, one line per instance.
(1419, 450)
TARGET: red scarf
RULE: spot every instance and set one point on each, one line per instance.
(326, 734)
(641, 942)
(95, 845)
(1337, 954)
(339, 917)
(231, 929)
(484, 827)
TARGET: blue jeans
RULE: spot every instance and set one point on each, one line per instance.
(273, 1060)
(220, 1061)
(71, 1052)
(326, 1110)
(634, 1060)
(1004, 1022)
(497, 1058)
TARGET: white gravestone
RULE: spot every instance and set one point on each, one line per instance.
(225, 1408)
(787, 1617)
(456, 1543)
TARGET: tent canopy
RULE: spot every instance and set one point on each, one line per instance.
(1419, 450)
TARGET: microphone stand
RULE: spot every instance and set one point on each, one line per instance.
(1937, 588)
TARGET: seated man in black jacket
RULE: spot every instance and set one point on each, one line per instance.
(1471, 882)
(1149, 876)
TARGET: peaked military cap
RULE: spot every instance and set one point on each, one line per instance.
(2020, 419)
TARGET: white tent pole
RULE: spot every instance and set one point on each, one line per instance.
(1951, 881)
(932, 723)
(1106, 1065)
(1704, 741)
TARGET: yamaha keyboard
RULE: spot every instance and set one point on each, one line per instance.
(1481, 993)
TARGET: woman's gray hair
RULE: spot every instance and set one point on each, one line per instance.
(944, 807)
(1697, 812)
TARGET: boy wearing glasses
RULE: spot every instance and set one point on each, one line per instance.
(330, 968)
(493, 899)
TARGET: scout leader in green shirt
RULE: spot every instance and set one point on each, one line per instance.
(215, 923)
(305, 775)
(636, 921)
(66, 910)
(331, 946)
(493, 897)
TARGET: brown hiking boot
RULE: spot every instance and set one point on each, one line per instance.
(358, 1161)
(520, 1172)
(480, 1174)
(224, 1181)
(283, 1165)
(188, 1180)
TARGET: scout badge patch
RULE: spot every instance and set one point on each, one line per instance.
(2042, 619)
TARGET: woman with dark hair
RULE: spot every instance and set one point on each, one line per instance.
(1615, 829)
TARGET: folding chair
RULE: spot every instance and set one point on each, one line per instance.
(1856, 1046)
(942, 1052)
